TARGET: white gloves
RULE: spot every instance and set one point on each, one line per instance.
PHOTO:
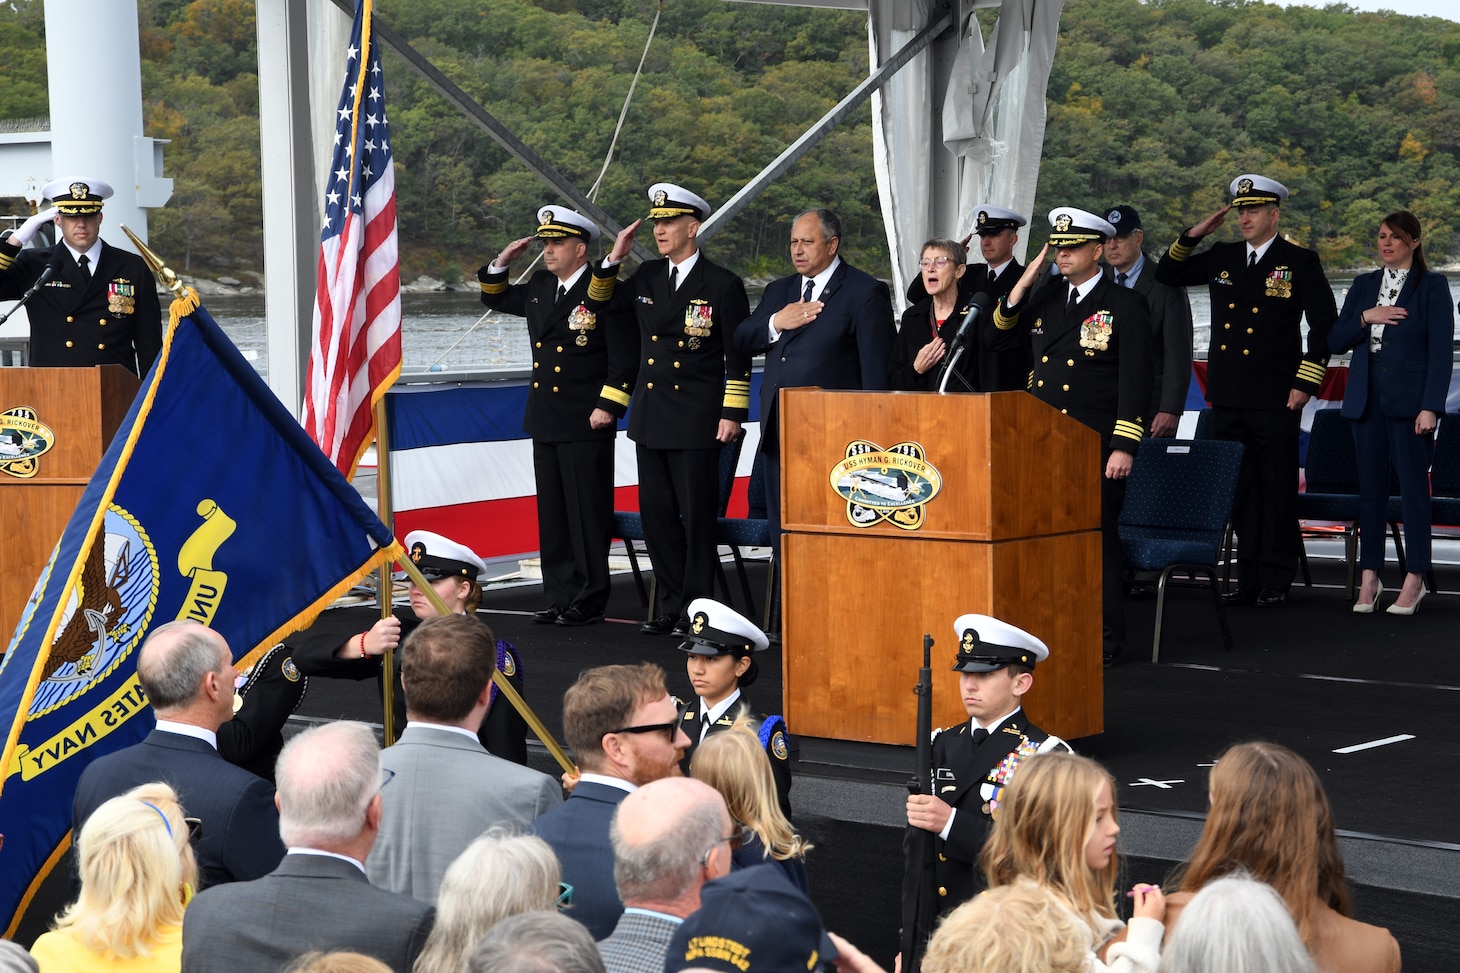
(28, 229)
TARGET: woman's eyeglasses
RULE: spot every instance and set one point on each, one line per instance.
(927, 262)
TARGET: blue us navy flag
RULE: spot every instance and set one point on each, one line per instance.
(211, 503)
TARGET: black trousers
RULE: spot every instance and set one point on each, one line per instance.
(1112, 564)
(679, 500)
(575, 520)
(1265, 513)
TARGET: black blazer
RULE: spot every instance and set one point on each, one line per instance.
(240, 839)
(577, 829)
(109, 317)
(1171, 335)
(847, 347)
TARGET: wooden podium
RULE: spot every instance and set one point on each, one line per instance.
(82, 407)
(1012, 530)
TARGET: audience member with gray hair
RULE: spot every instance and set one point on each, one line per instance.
(14, 958)
(536, 942)
(497, 876)
(669, 838)
(329, 780)
(1236, 924)
(186, 670)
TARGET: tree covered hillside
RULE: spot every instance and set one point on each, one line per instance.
(1157, 104)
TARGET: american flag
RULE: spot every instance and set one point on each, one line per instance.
(355, 354)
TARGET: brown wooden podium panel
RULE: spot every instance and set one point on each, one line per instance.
(83, 407)
(856, 608)
(1010, 465)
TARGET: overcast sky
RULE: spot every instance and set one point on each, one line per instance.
(1423, 8)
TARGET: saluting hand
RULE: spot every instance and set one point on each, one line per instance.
(513, 250)
(1210, 223)
(928, 813)
(1027, 279)
(624, 242)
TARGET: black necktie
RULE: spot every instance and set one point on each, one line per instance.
(561, 292)
(809, 285)
(1121, 278)
(979, 736)
(85, 264)
(1074, 299)
(673, 279)
(1252, 260)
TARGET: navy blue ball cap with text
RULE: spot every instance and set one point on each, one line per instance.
(751, 921)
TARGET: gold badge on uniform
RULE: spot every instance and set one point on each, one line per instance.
(660, 198)
(1095, 332)
(698, 322)
(1280, 282)
(582, 321)
(1063, 222)
(778, 745)
(121, 296)
(1244, 187)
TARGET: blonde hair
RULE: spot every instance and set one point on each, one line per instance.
(1019, 928)
(1269, 815)
(337, 962)
(735, 764)
(134, 859)
(498, 875)
(1047, 818)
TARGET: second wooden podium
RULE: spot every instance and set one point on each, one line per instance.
(903, 510)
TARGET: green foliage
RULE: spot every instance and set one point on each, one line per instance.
(1158, 104)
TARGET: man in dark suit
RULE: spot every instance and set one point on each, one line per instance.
(100, 305)
(186, 670)
(623, 728)
(669, 837)
(583, 359)
(1258, 375)
(692, 395)
(318, 898)
(828, 325)
(1092, 360)
(974, 761)
(1171, 331)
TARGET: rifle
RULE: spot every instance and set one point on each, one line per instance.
(919, 899)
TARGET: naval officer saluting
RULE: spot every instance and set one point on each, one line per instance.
(583, 359)
(99, 306)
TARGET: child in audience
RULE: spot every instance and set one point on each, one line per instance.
(1057, 828)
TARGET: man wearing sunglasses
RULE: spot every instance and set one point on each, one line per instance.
(623, 728)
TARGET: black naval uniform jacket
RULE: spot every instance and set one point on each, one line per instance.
(108, 317)
(1256, 354)
(690, 374)
(1005, 370)
(772, 733)
(583, 351)
(966, 775)
(503, 732)
(1093, 364)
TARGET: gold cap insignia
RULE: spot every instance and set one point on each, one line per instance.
(547, 216)
(969, 640)
(983, 217)
(660, 198)
(1062, 223)
(80, 190)
(418, 551)
(698, 625)
(1244, 187)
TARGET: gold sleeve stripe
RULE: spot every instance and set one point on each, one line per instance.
(1311, 371)
(1180, 251)
(736, 401)
(601, 288)
(737, 386)
(496, 287)
(5, 261)
(614, 395)
(1131, 430)
(1029, 383)
(1003, 321)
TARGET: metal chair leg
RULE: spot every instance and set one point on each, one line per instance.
(632, 552)
(1160, 607)
(1221, 612)
(744, 580)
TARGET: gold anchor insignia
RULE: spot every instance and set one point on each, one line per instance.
(80, 190)
(1062, 222)
(701, 619)
(660, 198)
(1244, 187)
(983, 217)
(418, 551)
(968, 640)
(547, 216)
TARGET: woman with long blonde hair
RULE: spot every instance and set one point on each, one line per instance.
(1057, 828)
(1270, 816)
(734, 763)
(137, 875)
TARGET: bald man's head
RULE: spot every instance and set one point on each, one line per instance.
(668, 840)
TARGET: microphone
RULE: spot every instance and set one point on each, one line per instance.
(58, 254)
(976, 307)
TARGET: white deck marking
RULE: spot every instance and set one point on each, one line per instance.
(1376, 743)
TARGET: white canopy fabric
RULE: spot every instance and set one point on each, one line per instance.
(935, 167)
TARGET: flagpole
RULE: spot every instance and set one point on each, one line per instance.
(387, 517)
(503, 683)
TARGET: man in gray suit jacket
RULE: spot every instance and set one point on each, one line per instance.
(329, 781)
(447, 788)
(669, 838)
(1171, 332)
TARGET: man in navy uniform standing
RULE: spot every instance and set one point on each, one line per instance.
(1092, 361)
(1258, 375)
(100, 305)
(828, 325)
(692, 395)
(583, 355)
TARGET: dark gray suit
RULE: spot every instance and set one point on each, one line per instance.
(1171, 335)
(578, 833)
(447, 790)
(240, 823)
(638, 943)
(310, 902)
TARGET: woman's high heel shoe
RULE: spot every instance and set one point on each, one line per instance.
(1367, 607)
(1396, 610)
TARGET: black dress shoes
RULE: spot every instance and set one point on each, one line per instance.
(662, 625)
(578, 615)
(1273, 597)
(547, 616)
(1242, 596)
(681, 628)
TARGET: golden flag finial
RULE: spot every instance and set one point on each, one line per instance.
(163, 272)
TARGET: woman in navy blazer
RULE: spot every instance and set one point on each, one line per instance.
(1400, 324)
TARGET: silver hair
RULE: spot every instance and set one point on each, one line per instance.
(1236, 924)
(497, 876)
(174, 660)
(326, 777)
(664, 868)
(831, 224)
(536, 942)
(14, 958)
(952, 248)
